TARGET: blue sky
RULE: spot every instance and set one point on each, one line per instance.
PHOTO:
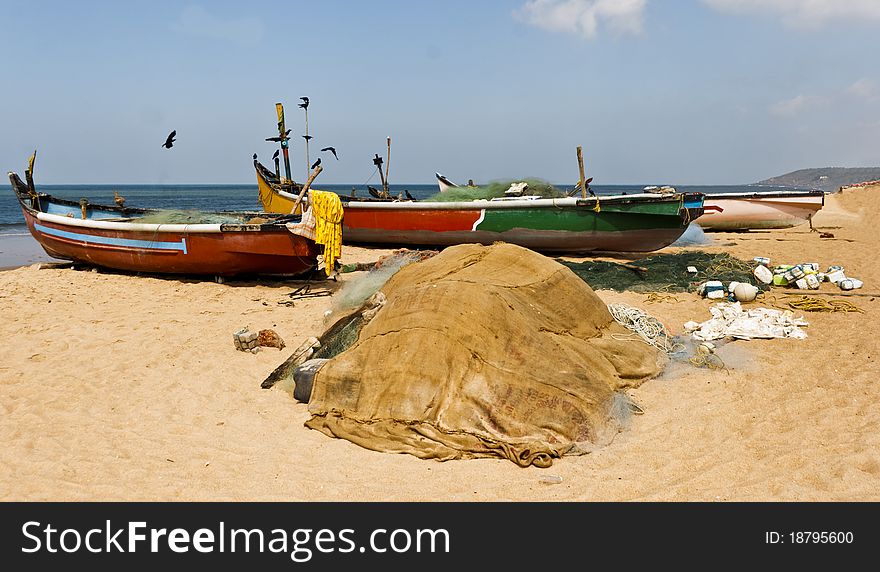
(671, 91)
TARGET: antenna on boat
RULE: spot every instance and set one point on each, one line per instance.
(305, 106)
(282, 138)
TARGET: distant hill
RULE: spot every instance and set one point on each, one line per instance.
(825, 178)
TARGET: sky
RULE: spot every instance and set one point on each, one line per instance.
(655, 91)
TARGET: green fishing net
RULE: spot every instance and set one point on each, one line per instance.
(665, 272)
(495, 189)
(187, 217)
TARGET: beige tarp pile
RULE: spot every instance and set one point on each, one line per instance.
(482, 352)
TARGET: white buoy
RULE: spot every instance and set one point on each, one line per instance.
(745, 292)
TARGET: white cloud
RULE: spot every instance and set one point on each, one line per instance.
(864, 88)
(582, 17)
(795, 105)
(802, 13)
(196, 21)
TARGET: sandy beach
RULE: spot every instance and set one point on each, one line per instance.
(123, 387)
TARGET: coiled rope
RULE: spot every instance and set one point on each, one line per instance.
(812, 304)
(648, 328)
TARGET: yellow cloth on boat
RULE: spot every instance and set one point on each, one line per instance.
(328, 212)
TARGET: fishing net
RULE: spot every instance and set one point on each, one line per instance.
(357, 297)
(356, 291)
(480, 352)
(536, 187)
(188, 217)
(665, 272)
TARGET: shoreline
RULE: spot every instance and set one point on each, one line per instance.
(19, 250)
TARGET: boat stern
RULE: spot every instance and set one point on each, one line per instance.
(691, 206)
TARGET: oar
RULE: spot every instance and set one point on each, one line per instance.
(305, 188)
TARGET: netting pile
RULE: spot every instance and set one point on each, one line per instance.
(536, 187)
(481, 352)
(666, 272)
(187, 217)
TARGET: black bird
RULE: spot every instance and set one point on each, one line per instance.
(408, 196)
(275, 156)
(307, 137)
(279, 139)
(255, 156)
(587, 184)
(377, 160)
(169, 142)
(305, 102)
(332, 150)
(316, 163)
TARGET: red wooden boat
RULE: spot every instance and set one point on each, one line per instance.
(113, 237)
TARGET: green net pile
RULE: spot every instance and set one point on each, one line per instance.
(340, 337)
(665, 272)
(495, 189)
(187, 217)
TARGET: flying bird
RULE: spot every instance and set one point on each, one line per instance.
(307, 137)
(169, 142)
(332, 150)
(408, 196)
(278, 139)
(316, 163)
(305, 102)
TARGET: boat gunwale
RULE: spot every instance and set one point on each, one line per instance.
(768, 195)
(278, 222)
(480, 204)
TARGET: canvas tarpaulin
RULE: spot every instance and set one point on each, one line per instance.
(482, 352)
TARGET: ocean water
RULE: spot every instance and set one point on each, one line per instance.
(244, 197)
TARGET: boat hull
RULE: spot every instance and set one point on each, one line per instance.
(221, 253)
(565, 229)
(635, 223)
(759, 210)
(114, 237)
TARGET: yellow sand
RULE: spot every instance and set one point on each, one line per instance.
(117, 387)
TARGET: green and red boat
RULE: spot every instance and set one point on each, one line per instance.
(641, 222)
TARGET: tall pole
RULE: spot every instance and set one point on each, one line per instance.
(581, 182)
(387, 164)
(307, 137)
(282, 136)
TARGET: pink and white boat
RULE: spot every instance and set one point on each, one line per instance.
(759, 210)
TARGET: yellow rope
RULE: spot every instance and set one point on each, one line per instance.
(328, 225)
(654, 297)
(706, 357)
(813, 304)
